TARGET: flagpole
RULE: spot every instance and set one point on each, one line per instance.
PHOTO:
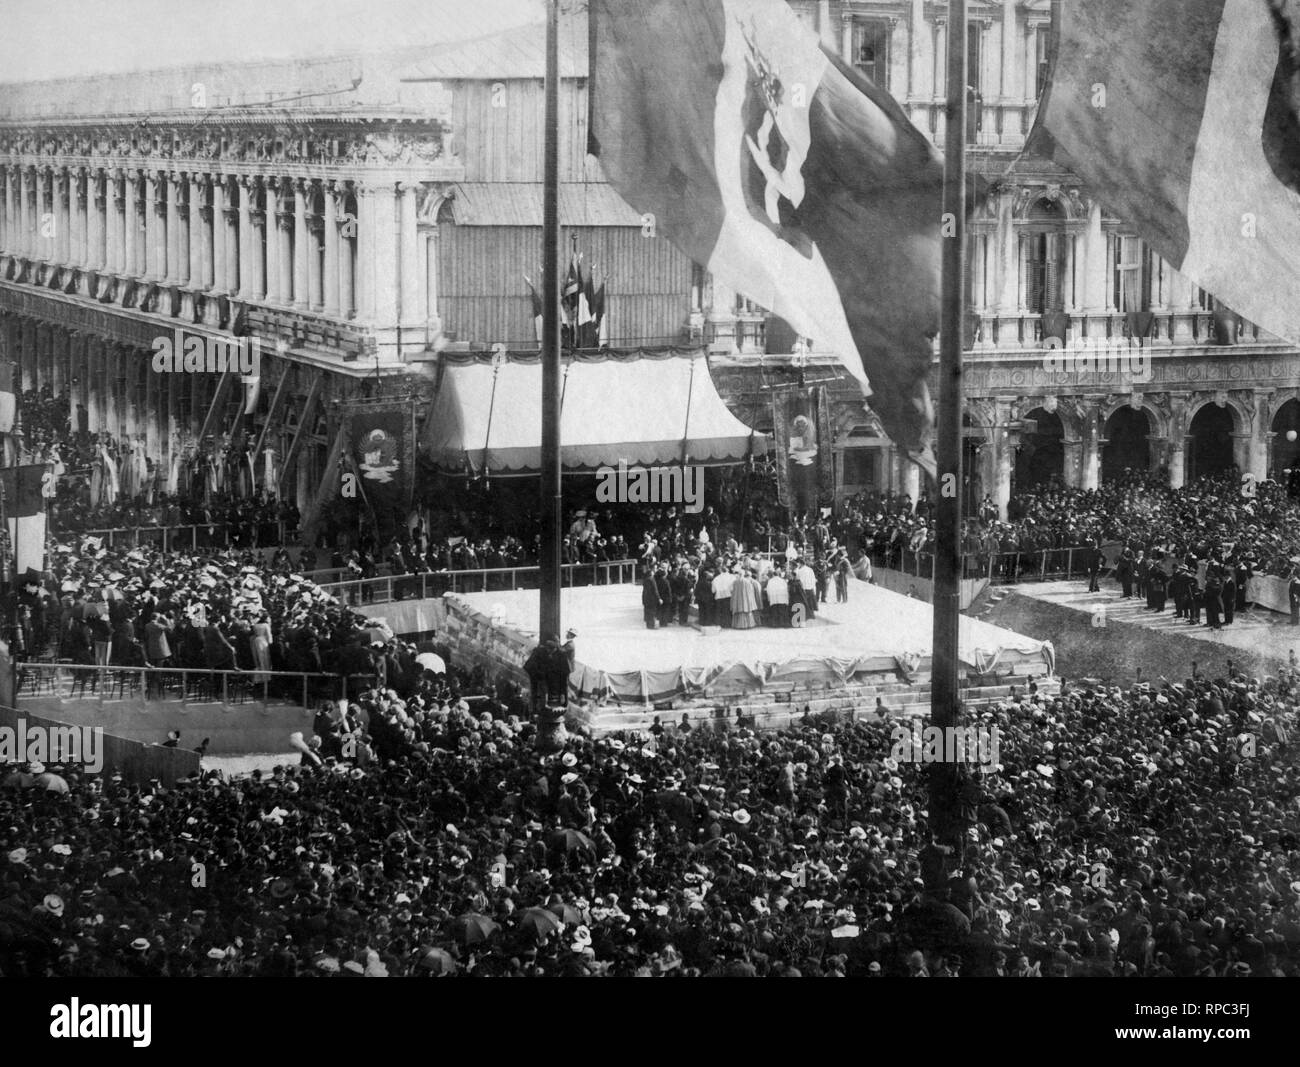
(945, 778)
(552, 517)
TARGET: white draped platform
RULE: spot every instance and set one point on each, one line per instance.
(875, 631)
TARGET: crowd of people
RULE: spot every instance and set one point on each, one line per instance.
(1150, 831)
(213, 609)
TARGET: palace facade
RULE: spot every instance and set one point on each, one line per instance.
(353, 212)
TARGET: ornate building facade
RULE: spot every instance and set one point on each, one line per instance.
(351, 211)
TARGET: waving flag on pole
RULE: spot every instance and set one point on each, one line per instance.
(1179, 115)
(792, 179)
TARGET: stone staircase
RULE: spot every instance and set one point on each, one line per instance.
(779, 705)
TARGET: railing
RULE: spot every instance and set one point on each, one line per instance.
(176, 538)
(84, 681)
(391, 587)
(1002, 568)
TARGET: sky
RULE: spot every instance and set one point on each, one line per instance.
(44, 39)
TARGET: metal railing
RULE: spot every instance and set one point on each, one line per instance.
(392, 587)
(176, 538)
(1001, 568)
(86, 681)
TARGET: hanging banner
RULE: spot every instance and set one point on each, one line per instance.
(380, 449)
(805, 477)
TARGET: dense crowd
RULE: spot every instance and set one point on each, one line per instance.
(1258, 525)
(214, 609)
(1151, 831)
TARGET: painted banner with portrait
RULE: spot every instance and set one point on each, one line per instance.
(805, 467)
(379, 452)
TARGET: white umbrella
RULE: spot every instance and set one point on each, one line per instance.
(431, 662)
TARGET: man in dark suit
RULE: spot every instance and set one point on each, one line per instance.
(1293, 595)
(1095, 559)
(650, 600)
(1124, 572)
(665, 587)
(1229, 592)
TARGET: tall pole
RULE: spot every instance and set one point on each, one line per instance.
(945, 779)
(552, 515)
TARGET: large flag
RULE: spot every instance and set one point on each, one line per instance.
(1178, 114)
(795, 181)
(24, 509)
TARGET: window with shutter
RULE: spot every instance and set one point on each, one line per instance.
(1132, 282)
(871, 50)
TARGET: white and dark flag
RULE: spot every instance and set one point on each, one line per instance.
(1179, 115)
(792, 179)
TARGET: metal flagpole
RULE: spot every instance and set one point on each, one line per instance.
(945, 778)
(551, 491)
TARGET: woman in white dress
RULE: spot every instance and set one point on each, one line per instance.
(262, 648)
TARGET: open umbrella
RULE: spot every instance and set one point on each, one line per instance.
(114, 594)
(88, 609)
(571, 841)
(471, 928)
(539, 922)
(568, 914)
(431, 662)
(438, 962)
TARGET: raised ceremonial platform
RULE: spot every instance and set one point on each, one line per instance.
(876, 644)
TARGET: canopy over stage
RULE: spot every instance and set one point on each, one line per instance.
(875, 632)
(648, 407)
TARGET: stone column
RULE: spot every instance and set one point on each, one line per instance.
(349, 246)
(176, 246)
(221, 270)
(96, 205)
(208, 223)
(315, 239)
(331, 279)
(1182, 294)
(300, 297)
(274, 290)
(197, 237)
(154, 250)
(410, 260)
(364, 274)
(85, 208)
(909, 479)
(244, 253)
(284, 235)
(10, 208)
(846, 38)
(112, 223)
(129, 226)
(58, 185)
(825, 29)
(1013, 89)
(260, 234)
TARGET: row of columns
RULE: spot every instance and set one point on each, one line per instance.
(259, 239)
(112, 388)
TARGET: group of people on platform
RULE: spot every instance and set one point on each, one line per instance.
(733, 589)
